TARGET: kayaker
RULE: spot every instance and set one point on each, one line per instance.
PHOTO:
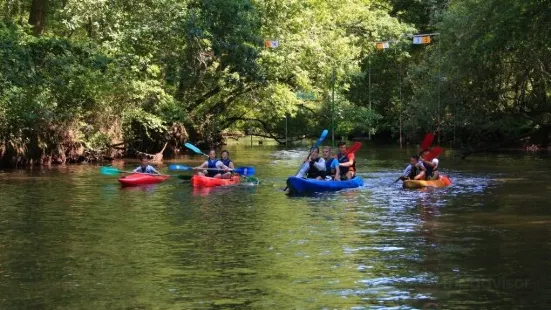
(347, 163)
(228, 163)
(331, 165)
(412, 170)
(435, 172)
(145, 167)
(314, 166)
(212, 167)
(427, 167)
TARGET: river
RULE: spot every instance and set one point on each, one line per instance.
(71, 238)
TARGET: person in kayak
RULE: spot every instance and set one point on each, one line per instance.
(427, 167)
(331, 165)
(347, 163)
(213, 167)
(228, 163)
(412, 170)
(145, 167)
(314, 167)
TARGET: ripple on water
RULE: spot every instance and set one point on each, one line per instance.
(76, 234)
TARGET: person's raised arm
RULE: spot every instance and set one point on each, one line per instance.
(320, 165)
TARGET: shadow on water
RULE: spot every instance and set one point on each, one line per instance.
(71, 238)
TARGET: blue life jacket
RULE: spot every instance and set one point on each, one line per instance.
(328, 164)
(211, 164)
(226, 162)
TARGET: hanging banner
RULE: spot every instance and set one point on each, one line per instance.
(382, 45)
(422, 40)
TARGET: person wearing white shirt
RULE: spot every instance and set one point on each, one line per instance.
(314, 167)
(429, 168)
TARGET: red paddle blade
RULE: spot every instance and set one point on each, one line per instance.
(427, 141)
(356, 146)
(434, 152)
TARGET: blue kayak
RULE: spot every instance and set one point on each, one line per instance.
(300, 185)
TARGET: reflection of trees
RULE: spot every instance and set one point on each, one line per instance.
(72, 243)
(429, 214)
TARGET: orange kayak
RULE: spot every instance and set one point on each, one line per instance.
(443, 181)
(202, 181)
(142, 179)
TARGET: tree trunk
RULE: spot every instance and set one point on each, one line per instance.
(37, 17)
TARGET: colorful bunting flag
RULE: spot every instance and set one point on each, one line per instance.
(271, 44)
(422, 40)
(382, 45)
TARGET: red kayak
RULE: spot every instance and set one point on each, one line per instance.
(142, 179)
(202, 181)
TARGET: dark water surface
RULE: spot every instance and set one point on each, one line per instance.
(71, 238)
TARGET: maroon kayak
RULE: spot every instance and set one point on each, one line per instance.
(142, 179)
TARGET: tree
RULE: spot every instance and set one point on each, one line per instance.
(37, 16)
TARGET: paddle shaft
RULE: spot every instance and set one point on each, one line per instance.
(153, 174)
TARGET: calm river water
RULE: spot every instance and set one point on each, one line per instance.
(71, 238)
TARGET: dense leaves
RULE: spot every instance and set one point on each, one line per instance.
(80, 80)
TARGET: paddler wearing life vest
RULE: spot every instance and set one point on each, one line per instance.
(314, 166)
(347, 163)
(429, 169)
(228, 163)
(331, 165)
(412, 170)
(145, 167)
(214, 167)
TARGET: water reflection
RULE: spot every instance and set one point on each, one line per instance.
(71, 238)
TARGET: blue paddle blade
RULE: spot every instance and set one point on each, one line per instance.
(179, 167)
(245, 171)
(109, 170)
(321, 138)
(194, 148)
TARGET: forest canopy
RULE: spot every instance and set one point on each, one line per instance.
(87, 79)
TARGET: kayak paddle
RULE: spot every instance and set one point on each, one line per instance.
(427, 141)
(356, 146)
(434, 152)
(406, 172)
(179, 167)
(317, 144)
(195, 149)
(105, 170)
(245, 171)
(111, 170)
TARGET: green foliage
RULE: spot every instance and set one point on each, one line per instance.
(495, 81)
(105, 72)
